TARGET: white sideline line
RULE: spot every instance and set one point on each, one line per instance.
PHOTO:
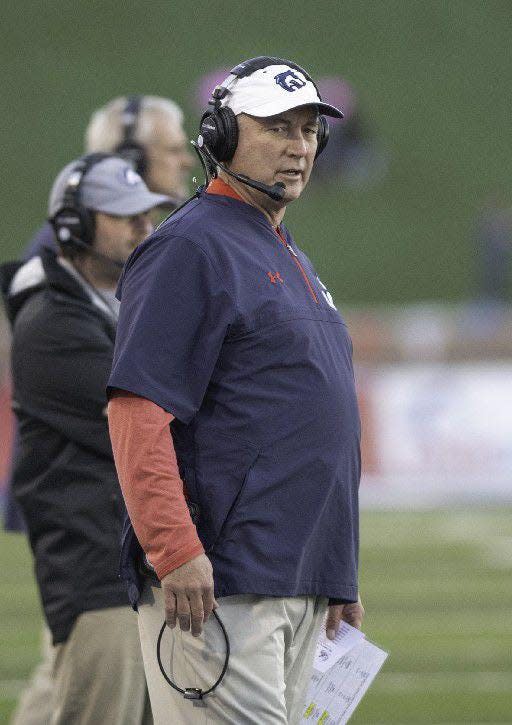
(10, 689)
(432, 682)
(441, 682)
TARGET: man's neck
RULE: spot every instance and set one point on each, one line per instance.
(90, 270)
(257, 199)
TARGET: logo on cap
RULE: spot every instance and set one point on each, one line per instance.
(289, 80)
(131, 177)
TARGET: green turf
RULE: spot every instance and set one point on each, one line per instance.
(437, 588)
(432, 77)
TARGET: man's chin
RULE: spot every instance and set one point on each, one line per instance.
(292, 193)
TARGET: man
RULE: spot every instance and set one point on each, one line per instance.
(64, 314)
(148, 132)
(227, 334)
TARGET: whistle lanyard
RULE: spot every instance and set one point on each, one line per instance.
(193, 693)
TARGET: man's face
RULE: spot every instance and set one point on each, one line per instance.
(278, 148)
(117, 236)
(169, 158)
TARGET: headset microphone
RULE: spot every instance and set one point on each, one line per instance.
(275, 192)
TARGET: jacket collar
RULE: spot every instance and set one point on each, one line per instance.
(20, 280)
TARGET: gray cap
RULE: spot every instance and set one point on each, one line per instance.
(110, 186)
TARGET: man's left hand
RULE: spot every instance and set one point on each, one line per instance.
(351, 613)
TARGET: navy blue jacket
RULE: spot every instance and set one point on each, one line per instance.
(228, 327)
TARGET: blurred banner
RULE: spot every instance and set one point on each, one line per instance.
(436, 433)
(435, 394)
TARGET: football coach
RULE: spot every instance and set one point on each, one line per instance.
(234, 421)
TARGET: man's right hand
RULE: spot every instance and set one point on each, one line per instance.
(188, 595)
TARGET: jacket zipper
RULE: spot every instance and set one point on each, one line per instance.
(293, 255)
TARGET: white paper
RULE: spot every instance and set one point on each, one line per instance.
(334, 695)
(328, 651)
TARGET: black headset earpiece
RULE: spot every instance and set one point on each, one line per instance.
(218, 126)
(73, 221)
(219, 129)
(322, 135)
(130, 149)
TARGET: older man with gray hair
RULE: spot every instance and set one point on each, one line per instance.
(147, 130)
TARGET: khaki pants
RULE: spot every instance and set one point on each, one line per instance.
(98, 673)
(272, 643)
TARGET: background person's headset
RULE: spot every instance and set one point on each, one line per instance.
(129, 148)
(218, 126)
(73, 223)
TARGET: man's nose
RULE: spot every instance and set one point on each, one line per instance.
(298, 145)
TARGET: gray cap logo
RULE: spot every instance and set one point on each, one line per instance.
(131, 177)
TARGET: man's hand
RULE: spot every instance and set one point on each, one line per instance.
(188, 595)
(351, 613)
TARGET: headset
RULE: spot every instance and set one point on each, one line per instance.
(74, 225)
(128, 148)
(73, 221)
(218, 126)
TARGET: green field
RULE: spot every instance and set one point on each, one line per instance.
(433, 79)
(438, 592)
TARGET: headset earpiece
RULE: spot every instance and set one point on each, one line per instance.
(135, 154)
(322, 135)
(219, 130)
(129, 149)
(70, 223)
(72, 220)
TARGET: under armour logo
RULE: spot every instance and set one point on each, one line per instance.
(289, 80)
(275, 277)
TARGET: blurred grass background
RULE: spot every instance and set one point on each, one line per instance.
(433, 78)
(437, 589)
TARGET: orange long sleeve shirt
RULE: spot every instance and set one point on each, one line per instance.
(151, 485)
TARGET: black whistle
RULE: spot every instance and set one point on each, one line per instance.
(193, 693)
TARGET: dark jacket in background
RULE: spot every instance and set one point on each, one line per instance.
(42, 239)
(64, 477)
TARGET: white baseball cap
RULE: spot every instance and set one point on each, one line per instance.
(273, 90)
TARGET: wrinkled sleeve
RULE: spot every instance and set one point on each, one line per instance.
(60, 368)
(152, 489)
(175, 313)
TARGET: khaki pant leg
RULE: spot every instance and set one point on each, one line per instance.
(98, 671)
(300, 655)
(253, 689)
(35, 704)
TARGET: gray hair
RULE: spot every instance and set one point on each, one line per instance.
(105, 129)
